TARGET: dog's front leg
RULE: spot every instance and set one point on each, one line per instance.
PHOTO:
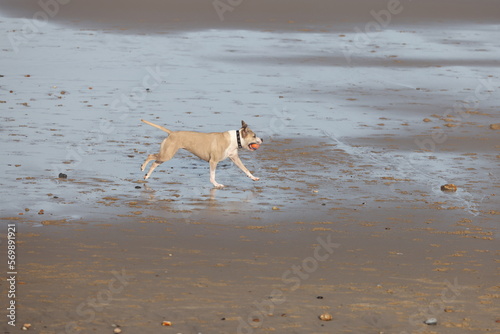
(213, 166)
(236, 159)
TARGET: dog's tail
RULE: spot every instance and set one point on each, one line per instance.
(157, 126)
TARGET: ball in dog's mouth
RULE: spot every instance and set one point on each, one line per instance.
(253, 146)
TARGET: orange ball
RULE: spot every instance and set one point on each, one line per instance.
(254, 146)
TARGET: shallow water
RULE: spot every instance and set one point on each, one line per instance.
(341, 114)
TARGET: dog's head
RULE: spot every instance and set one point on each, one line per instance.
(248, 137)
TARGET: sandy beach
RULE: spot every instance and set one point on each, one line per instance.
(366, 108)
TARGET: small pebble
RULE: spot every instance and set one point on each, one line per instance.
(166, 323)
(137, 187)
(449, 187)
(41, 212)
(326, 317)
(319, 297)
(431, 321)
(275, 208)
(63, 176)
(117, 330)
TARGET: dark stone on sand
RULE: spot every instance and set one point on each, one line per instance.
(138, 187)
(319, 297)
(63, 176)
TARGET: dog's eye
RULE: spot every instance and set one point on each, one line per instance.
(254, 136)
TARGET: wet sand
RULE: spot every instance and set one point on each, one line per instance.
(361, 130)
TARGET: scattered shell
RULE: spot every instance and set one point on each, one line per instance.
(325, 317)
(117, 330)
(431, 322)
(275, 208)
(26, 327)
(166, 323)
(427, 120)
(41, 212)
(449, 187)
(495, 126)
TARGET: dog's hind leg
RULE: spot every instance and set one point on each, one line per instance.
(150, 157)
(166, 153)
(153, 166)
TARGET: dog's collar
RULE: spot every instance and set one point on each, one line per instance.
(238, 139)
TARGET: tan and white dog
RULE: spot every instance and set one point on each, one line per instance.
(211, 147)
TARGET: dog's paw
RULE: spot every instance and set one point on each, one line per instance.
(219, 186)
(255, 178)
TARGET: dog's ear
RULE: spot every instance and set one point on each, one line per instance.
(243, 125)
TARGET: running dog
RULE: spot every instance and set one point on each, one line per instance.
(211, 147)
